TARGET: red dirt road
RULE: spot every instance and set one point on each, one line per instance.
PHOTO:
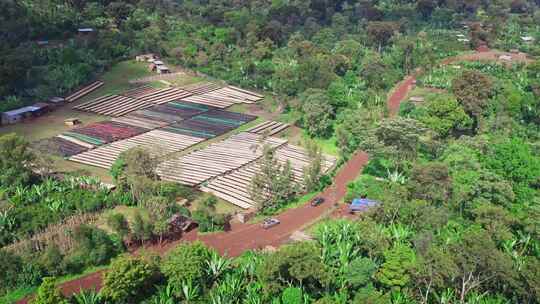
(399, 94)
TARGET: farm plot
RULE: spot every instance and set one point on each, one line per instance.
(216, 159)
(84, 91)
(101, 133)
(225, 97)
(234, 186)
(159, 143)
(269, 127)
(113, 105)
(211, 124)
(59, 146)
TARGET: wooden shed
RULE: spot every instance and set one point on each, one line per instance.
(145, 57)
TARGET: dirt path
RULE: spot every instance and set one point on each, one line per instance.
(399, 94)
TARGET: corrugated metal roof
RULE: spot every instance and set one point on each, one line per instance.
(21, 111)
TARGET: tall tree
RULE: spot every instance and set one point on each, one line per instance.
(473, 90)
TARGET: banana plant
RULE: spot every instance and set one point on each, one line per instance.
(6, 221)
(190, 291)
(18, 197)
(165, 295)
(55, 205)
(446, 297)
(253, 294)
(396, 177)
(87, 297)
(217, 265)
(398, 232)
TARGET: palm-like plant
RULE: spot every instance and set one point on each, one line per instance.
(190, 291)
(217, 265)
(18, 197)
(398, 232)
(396, 177)
(87, 297)
(164, 295)
(7, 222)
(253, 294)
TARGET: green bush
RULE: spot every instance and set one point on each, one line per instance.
(186, 263)
(48, 293)
(128, 279)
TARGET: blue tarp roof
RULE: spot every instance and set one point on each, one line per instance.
(362, 203)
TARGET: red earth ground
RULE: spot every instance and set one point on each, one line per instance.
(244, 237)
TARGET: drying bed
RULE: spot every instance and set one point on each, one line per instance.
(211, 124)
(104, 132)
(157, 142)
(216, 159)
(234, 186)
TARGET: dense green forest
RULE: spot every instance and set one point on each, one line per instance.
(458, 176)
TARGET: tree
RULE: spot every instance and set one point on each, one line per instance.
(135, 169)
(380, 32)
(119, 224)
(142, 228)
(127, 279)
(445, 116)
(48, 293)
(473, 90)
(398, 262)
(317, 114)
(359, 272)
(274, 184)
(431, 182)
(297, 264)
(313, 171)
(397, 138)
(16, 161)
(186, 263)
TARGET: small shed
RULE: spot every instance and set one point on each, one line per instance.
(361, 204)
(158, 62)
(17, 115)
(72, 121)
(505, 58)
(161, 69)
(180, 223)
(145, 57)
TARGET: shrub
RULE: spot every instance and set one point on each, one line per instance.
(187, 262)
(10, 267)
(48, 293)
(128, 279)
(94, 247)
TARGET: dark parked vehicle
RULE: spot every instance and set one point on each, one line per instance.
(270, 222)
(317, 201)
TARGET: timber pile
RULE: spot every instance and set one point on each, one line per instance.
(201, 88)
(234, 186)
(269, 128)
(113, 105)
(216, 159)
(158, 143)
(84, 91)
(164, 96)
(225, 97)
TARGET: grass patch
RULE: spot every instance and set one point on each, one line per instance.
(128, 212)
(222, 206)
